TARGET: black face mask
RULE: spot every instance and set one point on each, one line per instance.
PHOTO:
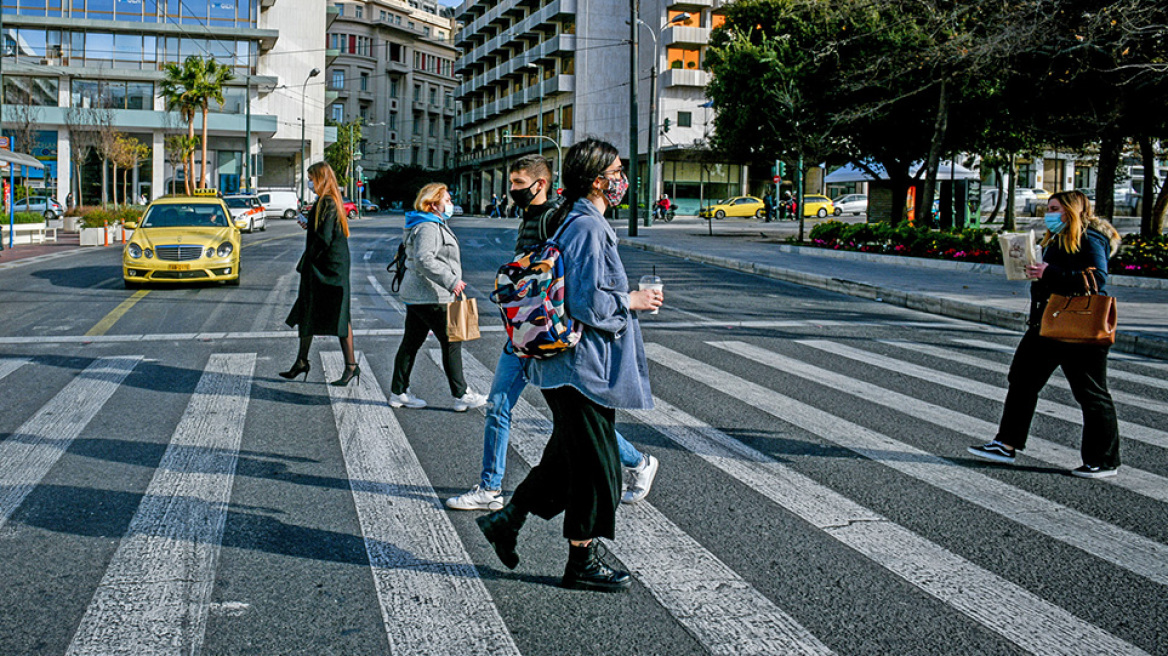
(523, 197)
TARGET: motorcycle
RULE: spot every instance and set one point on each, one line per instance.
(663, 215)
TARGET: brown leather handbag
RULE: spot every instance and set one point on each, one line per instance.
(1088, 318)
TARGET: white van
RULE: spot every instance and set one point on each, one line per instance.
(280, 203)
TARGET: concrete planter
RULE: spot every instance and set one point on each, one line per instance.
(24, 232)
(95, 236)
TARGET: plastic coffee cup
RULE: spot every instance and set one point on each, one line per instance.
(651, 282)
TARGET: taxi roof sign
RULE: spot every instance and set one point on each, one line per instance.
(206, 192)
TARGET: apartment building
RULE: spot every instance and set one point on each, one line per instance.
(391, 65)
(560, 69)
(106, 57)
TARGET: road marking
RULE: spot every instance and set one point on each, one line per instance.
(117, 313)
(1067, 413)
(28, 454)
(722, 611)
(1057, 380)
(9, 365)
(1150, 381)
(1115, 545)
(155, 595)
(432, 598)
(1136, 480)
(389, 299)
(1000, 605)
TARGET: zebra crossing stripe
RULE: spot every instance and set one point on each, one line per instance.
(432, 598)
(9, 365)
(1136, 480)
(392, 302)
(1153, 436)
(1115, 545)
(719, 608)
(28, 454)
(1141, 402)
(1021, 617)
(155, 595)
(1150, 381)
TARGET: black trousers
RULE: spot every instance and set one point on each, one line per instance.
(421, 320)
(580, 471)
(1085, 367)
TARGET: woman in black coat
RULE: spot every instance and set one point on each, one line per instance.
(322, 308)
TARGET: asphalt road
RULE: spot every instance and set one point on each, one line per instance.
(163, 491)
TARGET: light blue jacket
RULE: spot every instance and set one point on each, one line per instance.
(608, 364)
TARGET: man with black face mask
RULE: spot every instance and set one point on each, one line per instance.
(530, 185)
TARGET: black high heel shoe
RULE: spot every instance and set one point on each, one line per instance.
(351, 371)
(300, 367)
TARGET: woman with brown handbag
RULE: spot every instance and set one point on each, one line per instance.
(1076, 244)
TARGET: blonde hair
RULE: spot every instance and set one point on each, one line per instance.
(325, 183)
(1076, 216)
(429, 198)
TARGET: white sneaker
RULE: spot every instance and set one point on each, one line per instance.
(468, 401)
(478, 498)
(406, 400)
(640, 479)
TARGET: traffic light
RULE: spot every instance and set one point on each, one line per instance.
(782, 169)
(665, 125)
(506, 135)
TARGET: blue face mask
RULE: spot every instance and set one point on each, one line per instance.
(311, 186)
(1054, 222)
(447, 210)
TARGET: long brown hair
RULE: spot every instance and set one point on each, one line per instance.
(324, 182)
(1076, 216)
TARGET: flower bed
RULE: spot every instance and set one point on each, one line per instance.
(1137, 256)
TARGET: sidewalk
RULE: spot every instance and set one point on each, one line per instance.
(20, 254)
(975, 292)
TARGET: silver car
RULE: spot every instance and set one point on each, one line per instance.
(41, 205)
(851, 204)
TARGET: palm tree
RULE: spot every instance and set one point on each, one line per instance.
(210, 87)
(179, 88)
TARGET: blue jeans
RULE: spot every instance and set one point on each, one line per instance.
(506, 388)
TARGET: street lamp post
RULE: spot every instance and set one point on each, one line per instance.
(652, 182)
(303, 97)
(539, 120)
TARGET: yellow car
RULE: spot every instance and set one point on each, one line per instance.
(183, 239)
(737, 206)
(816, 205)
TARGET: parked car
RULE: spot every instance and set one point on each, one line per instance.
(279, 203)
(817, 205)
(247, 209)
(737, 206)
(1025, 201)
(369, 207)
(1125, 199)
(350, 208)
(851, 204)
(40, 204)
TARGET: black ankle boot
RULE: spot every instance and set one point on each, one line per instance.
(502, 530)
(586, 571)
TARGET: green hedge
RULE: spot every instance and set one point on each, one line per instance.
(968, 245)
(96, 217)
(28, 217)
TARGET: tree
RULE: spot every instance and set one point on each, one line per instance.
(128, 153)
(183, 87)
(400, 183)
(83, 139)
(339, 154)
(210, 87)
(179, 148)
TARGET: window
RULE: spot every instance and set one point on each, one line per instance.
(449, 100)
(340, 10)
(418, 125)
(433, 96)
(338, 112)
(716, 20)
(359, 12)
(685, 119)
(339, 78)
(37, 91)
(392, 121)
(683, 58)
(364, 113)
(393, 87)
(111, 94)
(432, 160)
(383, 15)
(364, 81)
(426, 30)
(417, 93)
(433, 128)
(566, 118)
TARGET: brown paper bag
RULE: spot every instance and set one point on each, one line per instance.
(462, 320)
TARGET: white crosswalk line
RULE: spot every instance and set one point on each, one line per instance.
(1139, 481)
(156, 592)
(1068, 413)
(1057, 380)
(724, 612)
(1150, 381)
(1001, 606)
(389, 299)
(28, 454)
(9, 365)
(432, 599)
(1098, 538)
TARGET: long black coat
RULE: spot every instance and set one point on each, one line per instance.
(322, 308)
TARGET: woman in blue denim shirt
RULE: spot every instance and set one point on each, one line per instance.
(580, 472)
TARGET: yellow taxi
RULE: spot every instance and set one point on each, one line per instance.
(183, 238)
(817, 205)
(737, 206)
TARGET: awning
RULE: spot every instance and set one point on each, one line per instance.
(946, 171)
(20, 159)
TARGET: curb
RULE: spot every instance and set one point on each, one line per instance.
(1127, 342)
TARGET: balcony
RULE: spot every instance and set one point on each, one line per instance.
(680, 77)
(690, 5)
(330, 56)
(524, 27)
(330, 15)
(686, 36)
(392, 66)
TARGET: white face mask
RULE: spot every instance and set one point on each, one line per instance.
(448, 210)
